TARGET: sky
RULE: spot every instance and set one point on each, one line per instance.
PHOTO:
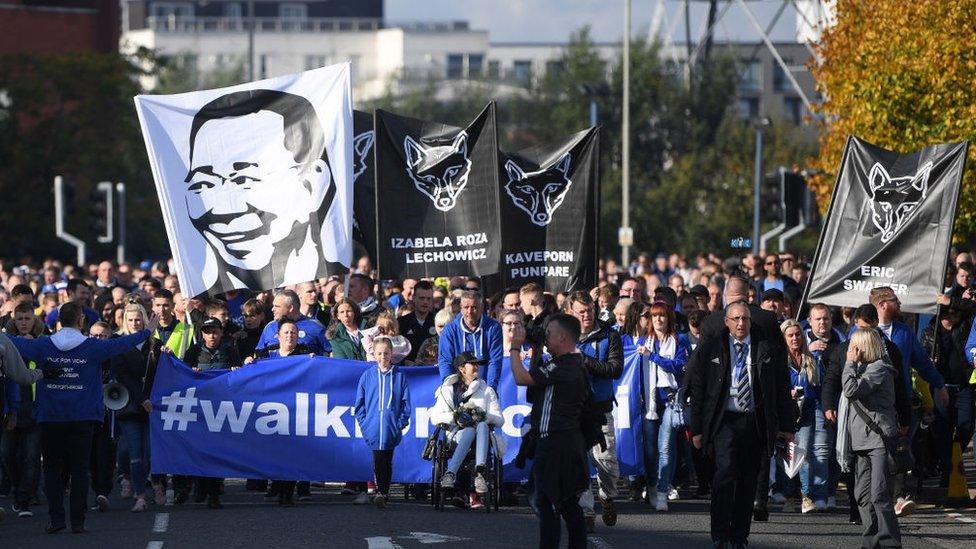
(554, 20)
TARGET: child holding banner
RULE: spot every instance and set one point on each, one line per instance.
(383, 412)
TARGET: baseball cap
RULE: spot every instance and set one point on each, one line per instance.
(465, 358)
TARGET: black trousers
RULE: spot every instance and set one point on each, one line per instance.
(102, 459)
(383, 470)
(737, 457)
(550, 529)
(66, 448)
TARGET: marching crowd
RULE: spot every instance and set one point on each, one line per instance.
(736, 370)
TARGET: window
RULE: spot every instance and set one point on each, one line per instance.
(522, 71)
(476, 62)
(455, 65)
(781, 82)
(293, 11)
(748, 107)
(315, 61)
(233, 10)
(554, 68)
(494, 69)
(172, 9)
(793, 109)
(751, 77)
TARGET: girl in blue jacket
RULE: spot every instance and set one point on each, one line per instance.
(383, 412)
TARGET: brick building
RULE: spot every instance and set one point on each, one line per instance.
(55, 26)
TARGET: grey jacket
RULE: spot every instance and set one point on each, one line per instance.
(873, 385)
(12, 365)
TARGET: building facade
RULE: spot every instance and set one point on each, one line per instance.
(58, 26)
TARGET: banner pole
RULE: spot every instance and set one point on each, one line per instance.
(823, 228)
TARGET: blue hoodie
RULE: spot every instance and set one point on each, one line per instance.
(382, 407)
(485, 343)
(311, 333)
(77, 394)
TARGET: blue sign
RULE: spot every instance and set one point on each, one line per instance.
(292, 419)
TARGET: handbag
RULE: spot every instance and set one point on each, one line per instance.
(430, 446)
(680, 412)
(898, 449)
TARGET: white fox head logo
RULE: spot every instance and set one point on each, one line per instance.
(894, 199)
(439, 171)
(361, 145)
(539, 193)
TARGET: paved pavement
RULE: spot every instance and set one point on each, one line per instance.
(331, 520)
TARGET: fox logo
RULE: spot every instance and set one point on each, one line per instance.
(361, 145)
(539, 193)
(439, 171)
(894, 199)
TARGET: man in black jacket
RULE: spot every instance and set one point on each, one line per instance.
(602, 345)
(740, 407)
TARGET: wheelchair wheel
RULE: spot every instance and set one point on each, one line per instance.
(437, 470)
(496, 488)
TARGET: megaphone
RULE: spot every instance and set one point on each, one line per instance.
(115, 396)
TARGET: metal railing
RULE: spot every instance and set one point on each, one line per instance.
(261, 24)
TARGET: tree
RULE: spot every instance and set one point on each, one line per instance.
(899, 73)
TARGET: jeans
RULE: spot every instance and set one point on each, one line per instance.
(21, 451)
(66, 448)
(955, 424)
(660, 450)
(607, 468)
(464, 438)
(136, 436)
(816, 436)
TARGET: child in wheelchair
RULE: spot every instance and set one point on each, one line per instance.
(466, 408)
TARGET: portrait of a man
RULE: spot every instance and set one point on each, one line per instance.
(259, 186)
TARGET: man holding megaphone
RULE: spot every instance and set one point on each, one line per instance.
(69, 405)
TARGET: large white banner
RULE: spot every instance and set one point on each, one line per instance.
(255, 181)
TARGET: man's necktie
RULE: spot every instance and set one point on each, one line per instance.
(743, 393)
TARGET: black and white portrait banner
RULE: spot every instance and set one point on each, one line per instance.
(550, 213)
(889, 224)
(436, 197)
(255, 181)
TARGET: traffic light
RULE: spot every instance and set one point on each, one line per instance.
(783, 197)
(102, 215)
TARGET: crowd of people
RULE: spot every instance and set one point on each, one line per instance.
(735, 370)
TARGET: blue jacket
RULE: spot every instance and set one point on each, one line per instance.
(485, 343)
(11, 403)
(382, 407)
(77, 394)
(604, 345)
(811, 392)
(311, 333)
(914, 356)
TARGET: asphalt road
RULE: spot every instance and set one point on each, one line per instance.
(331, 520)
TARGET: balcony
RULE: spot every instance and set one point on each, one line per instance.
(191, 24)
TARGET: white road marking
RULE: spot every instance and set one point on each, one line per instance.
(161, 523)
(428, 538)
(154, 545)
(600, 543)
(382, 542)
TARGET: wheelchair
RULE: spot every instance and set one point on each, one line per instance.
(444, 449)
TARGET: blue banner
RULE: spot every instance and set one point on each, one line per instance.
(292, 419)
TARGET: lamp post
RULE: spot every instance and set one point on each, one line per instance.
(626, 234)
(759, 125)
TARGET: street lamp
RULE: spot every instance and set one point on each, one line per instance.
(594, 92)
(759, 125)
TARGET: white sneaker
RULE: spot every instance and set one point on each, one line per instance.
(361, 499)
(904, 507)
(101, 503)
(831, 503)
(673, 494)
(447, 481)
(140, 506)
(662, 502)
(778, 498)
(25, 513)
(125, 489)
(480, 484)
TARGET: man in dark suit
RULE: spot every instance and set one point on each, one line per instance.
(740, 405)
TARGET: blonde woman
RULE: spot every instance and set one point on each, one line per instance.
(815, 435)
(869, 390)
(388, 327)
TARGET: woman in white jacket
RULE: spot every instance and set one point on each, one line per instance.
(466, 390)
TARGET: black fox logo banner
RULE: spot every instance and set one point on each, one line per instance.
(889, 224)
(364, 194)
(550, 213)
(436, 196)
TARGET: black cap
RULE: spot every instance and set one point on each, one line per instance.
(465, 358)
(698, 289)
(773, 294)
(211, 323)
